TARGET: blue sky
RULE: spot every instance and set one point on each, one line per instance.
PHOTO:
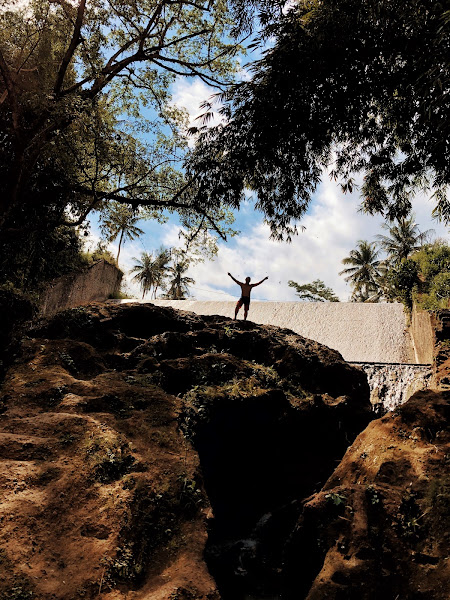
(333, 226)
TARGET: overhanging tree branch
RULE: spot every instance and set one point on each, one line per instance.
(71, 49)
(101, 196)
(11, 89)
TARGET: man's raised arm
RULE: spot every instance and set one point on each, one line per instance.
(235, 280)
(259, 282)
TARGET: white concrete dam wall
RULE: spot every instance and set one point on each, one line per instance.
(360, 332)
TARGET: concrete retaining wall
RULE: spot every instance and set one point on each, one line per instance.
(422, 335)
(96, 283)
(360, 332)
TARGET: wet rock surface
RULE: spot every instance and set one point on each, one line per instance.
(392, 385)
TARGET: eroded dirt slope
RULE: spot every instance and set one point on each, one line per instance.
(102, 492)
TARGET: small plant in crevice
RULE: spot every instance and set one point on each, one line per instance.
(110, 459)
(19, 590)
(183, 593)
(228, 331)
(67, 438)
(152, 526)
(191, 495)
(437, 502)
(408, 518)
(53, 396)
(123, 567)
(336, 499)
(373, 495)
(67, 361)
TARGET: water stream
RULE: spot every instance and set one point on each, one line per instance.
(392, 384)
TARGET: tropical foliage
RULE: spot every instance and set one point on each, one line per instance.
(413, 271)
(433, 265)
(364, 271)
(178, 282)
(120, 221)
(164, 270)
(151, 270)
(315, 291)
(351, 87)
(402, 279)
(403, 239)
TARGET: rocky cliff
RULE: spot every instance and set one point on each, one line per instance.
(151, 454)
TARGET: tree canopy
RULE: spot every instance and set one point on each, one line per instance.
(403, 238)
(349, 86)
(423, 278)
(85, 90)
(177, 285)
(151, 270)
(316, 291)
(120, 221)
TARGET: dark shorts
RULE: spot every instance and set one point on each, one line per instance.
(243, 300)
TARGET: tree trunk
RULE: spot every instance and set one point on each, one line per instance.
(120, 243)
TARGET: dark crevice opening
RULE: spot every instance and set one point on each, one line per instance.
(260, 457)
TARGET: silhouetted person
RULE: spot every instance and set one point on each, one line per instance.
(246, 288)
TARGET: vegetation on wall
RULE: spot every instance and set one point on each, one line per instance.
(433, 265)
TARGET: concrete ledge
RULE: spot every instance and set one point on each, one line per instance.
(360, 332)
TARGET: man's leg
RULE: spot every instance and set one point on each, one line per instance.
(236, 310)
(245, 312)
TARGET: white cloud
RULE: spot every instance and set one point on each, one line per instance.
(190, 94)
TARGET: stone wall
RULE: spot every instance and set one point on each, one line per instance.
(96, 283)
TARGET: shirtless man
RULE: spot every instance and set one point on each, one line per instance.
(246, 288)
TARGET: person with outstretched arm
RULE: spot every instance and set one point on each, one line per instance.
(246, 288)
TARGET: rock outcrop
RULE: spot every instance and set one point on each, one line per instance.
(151, 454)
(133, 436)
(380, 527)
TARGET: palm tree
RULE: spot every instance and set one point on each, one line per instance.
(120, 220)
(151, 270)
(364, 272)
(179, 285)
(403, 239)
